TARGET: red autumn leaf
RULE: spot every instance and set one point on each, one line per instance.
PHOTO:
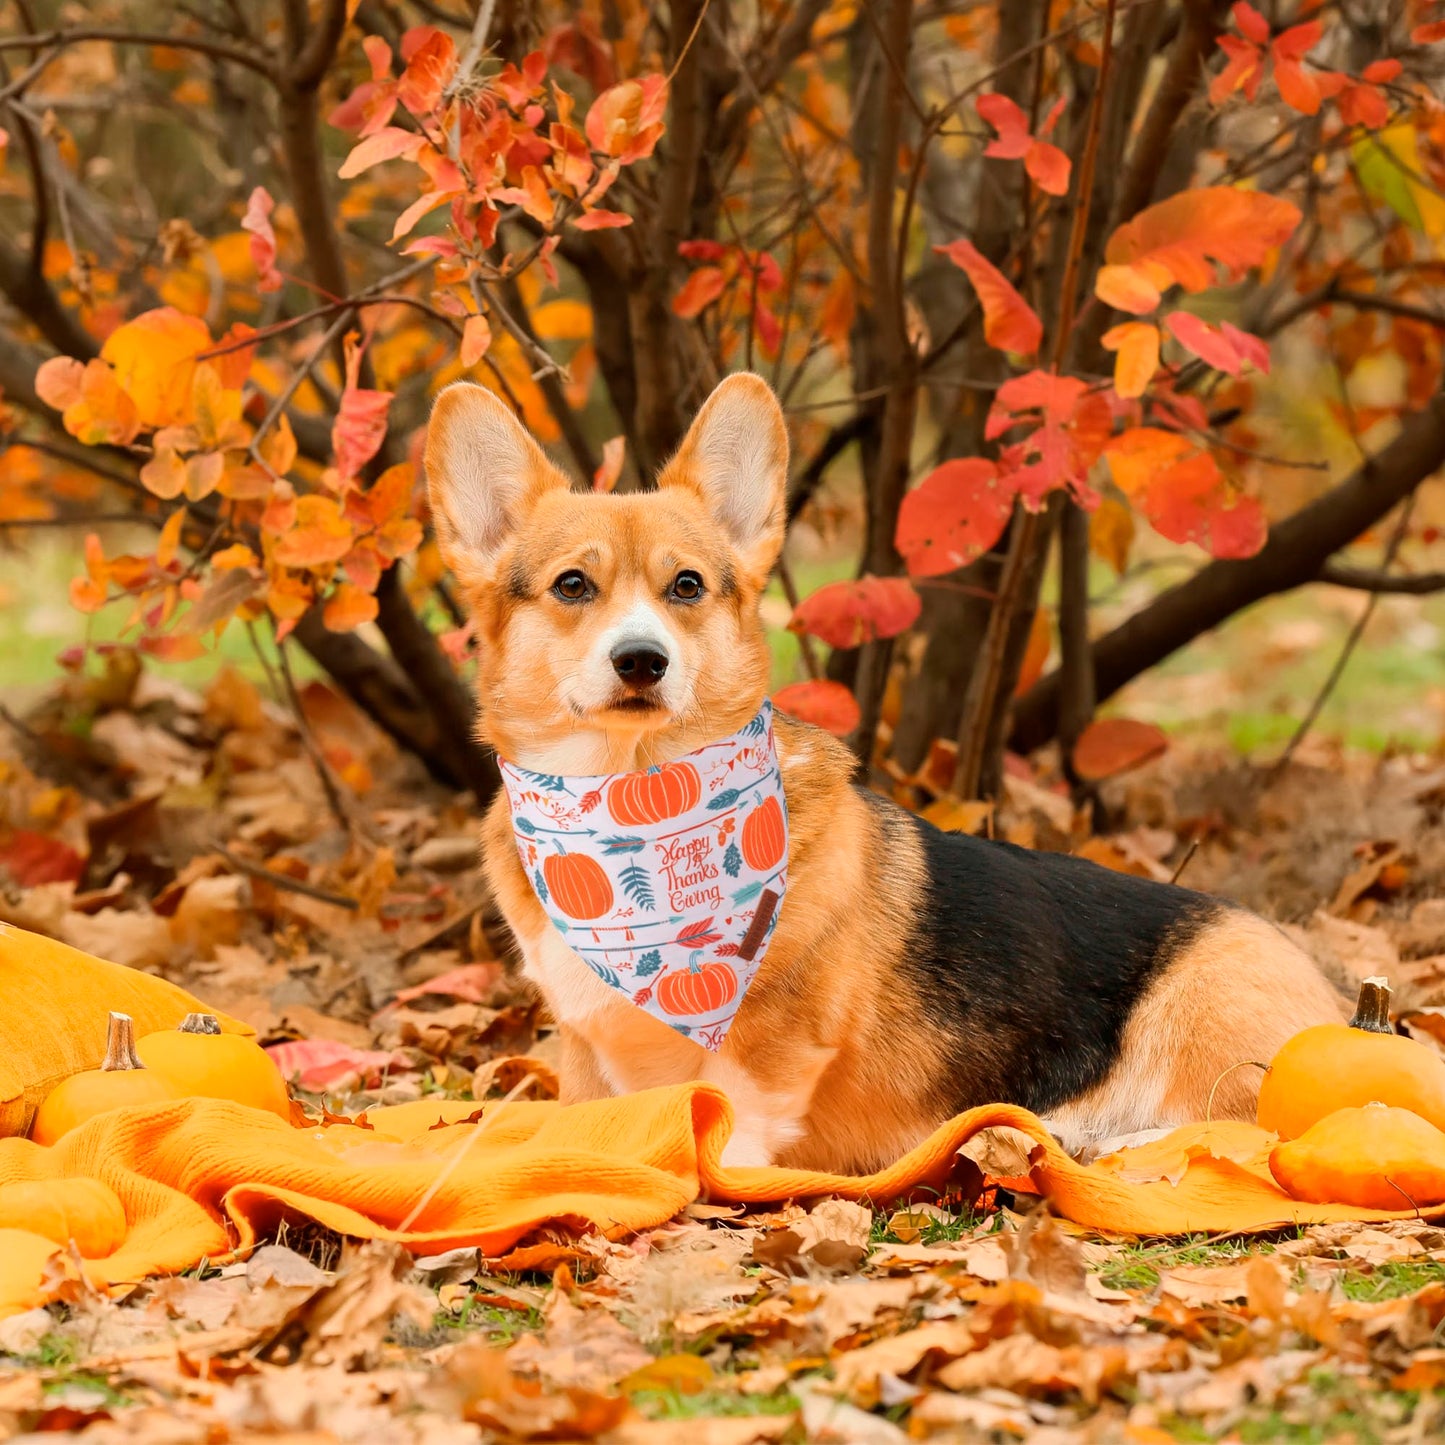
(955, 514)
(828, 705)
(1243, 70)
(1251, 23)
(1009, 322)
(699, 291)
(428, 72)
(1046, 163)
(257, 221)
(1070, 426)
(848, 614)
(1428, 33)
(319, 1066)
(1201, 339)
(359, 428)
(1115, 745)
(33, 858)
(1036, 652)
(604, 479)
(1179, 489)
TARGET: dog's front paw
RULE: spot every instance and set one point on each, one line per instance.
(745, 1151)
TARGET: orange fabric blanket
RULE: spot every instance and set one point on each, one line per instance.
(200, 1178)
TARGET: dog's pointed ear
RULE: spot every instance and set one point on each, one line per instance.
(735, 456)
(483, 473)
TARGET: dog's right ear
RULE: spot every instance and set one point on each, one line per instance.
(483, 473)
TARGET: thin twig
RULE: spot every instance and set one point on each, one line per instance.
(1392, 546)
(286, 882)
(329, 785)
(805, 643)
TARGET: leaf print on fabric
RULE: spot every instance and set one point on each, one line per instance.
(590, 800)
(525, 825)
(637, 885)
(732, 860)
(648, 964)
(607, 975)
(747, 892)
(725, 799)
(757, 727)
(540, 884)
(699, 935)
(548, 782)
(622, 844)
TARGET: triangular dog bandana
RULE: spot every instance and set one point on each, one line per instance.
(668, 881)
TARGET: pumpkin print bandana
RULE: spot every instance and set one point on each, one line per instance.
(668, 881)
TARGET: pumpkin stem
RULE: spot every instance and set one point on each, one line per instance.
(1372, 1012)
(120, 1044)
(199, 1024)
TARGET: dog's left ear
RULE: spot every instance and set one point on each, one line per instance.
(735, 455)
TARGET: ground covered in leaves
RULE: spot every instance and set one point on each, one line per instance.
(293, 869)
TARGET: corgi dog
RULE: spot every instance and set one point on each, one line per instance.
(911, 973)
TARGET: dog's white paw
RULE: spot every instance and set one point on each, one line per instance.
(745, 1151)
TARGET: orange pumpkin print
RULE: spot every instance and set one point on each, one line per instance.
(697, 991)
(765, 836)
(578, 884)
(654, 796)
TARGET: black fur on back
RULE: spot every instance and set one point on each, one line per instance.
(1032, 962)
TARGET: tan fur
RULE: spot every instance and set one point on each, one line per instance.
(1233, 995)
(832, 1062)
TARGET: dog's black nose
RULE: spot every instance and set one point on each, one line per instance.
(639, 664)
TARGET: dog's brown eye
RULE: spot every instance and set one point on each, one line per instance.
(687, 587)
(572, 587)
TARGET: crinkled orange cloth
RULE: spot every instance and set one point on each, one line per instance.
(187, 1170)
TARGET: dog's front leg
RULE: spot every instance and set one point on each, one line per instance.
(581, 1072)
(770, 1103)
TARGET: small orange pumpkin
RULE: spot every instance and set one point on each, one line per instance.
(84, 1210)
(1345, 1066)
(1375, 1157)
(199, 1061)
(655, 795)
(120, 1080)
(578, 884)
(765, 836)
(698, 990)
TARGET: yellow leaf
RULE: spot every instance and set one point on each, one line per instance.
(1111, 533)
(154, 358)
(1137, 345)
(955, 816)
(563, 320)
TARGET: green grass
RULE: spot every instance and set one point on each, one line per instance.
(56, 1356)
(500, 1325)
(933, 1231)
(680, 1405)
(1138, 1266)
(1390, 1280)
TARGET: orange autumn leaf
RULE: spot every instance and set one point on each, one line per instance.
(1136, 344)
(94, 408)
(348, 607)
(154, 358)
(476, 338)
(1036, 653)
(1187, 239)
(1009, 322)
(320, 534)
